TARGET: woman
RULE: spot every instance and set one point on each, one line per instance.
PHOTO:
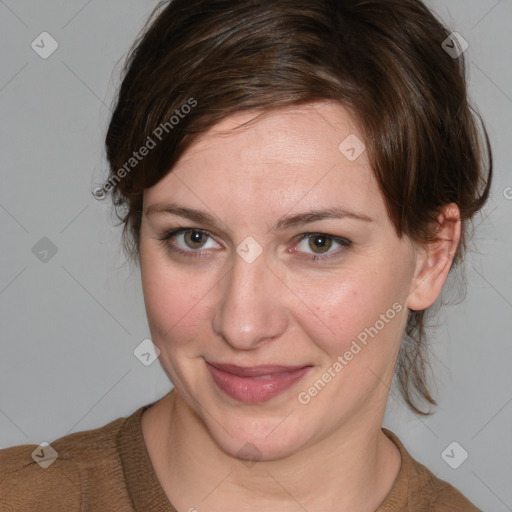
(295, 179)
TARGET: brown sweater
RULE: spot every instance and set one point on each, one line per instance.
(108, 469)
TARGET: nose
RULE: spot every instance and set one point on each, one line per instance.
(250, 310)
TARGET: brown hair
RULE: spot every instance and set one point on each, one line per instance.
(385, 60)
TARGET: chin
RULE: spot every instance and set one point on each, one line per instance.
(254, 440)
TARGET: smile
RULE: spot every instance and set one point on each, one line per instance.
(255, 384)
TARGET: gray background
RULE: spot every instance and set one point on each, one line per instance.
(70, 324)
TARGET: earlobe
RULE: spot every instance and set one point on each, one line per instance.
(435, 259)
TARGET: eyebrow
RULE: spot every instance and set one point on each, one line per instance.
(283, 223)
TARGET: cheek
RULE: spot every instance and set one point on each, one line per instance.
(358, 306)
(176, 302)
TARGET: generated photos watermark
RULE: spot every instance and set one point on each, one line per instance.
(304, 397)
(152, 141)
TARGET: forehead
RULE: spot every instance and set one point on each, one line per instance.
(297, 157)
(298, 135)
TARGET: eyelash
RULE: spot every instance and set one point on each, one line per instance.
(166, 238)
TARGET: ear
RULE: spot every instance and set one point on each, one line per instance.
(434, 260)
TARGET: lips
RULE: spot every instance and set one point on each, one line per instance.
(255, 384)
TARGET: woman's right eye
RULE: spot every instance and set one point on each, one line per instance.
(188, 241)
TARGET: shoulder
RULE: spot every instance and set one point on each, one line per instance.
(58, 475)
(440, 495)
(417, 488)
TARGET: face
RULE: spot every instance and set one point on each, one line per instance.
(275, 285)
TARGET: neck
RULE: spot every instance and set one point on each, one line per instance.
(362, 464)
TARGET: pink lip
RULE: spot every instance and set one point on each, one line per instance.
(257, 383)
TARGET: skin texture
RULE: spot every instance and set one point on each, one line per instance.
(283, 308)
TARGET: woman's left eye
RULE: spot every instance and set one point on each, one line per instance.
(319, 245)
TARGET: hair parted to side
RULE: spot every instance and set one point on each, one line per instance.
(382, 59)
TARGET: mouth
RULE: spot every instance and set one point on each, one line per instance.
(255, 384)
